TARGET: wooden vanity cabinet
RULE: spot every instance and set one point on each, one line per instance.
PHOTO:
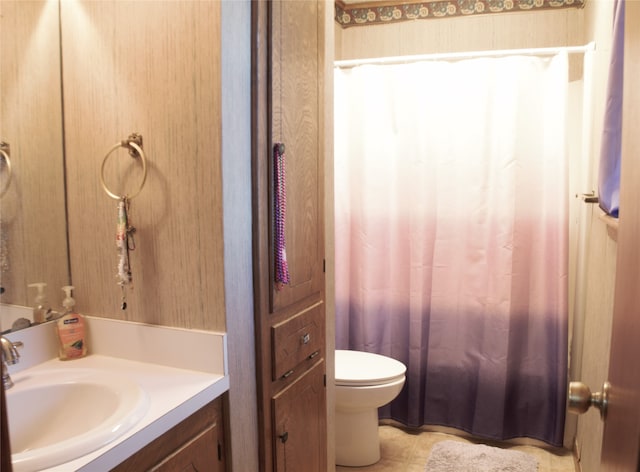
(5, 454)
(288, 104)
(195, 444)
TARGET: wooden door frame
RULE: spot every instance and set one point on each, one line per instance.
(260, 98)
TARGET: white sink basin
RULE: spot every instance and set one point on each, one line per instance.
(60, 415)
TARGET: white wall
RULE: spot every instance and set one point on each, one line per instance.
(236, 197)
(330, 39)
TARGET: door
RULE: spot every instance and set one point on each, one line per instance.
(622, 427)
(299, 416)
(296, 70)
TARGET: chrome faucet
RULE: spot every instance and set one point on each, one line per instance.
(10, 356)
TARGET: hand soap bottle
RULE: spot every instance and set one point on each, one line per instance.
(71, 330)
(40, 308)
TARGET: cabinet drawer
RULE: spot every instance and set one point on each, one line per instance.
(296, 339)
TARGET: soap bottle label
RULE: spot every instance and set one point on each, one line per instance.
(71, 332)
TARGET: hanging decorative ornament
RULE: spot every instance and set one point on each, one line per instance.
(280, 216)
(5, 170)
(124, 244)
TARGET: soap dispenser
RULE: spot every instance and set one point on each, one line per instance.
(71, 329)
(40, 308)
(68, 303)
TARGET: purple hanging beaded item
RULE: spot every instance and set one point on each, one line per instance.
(280, 210)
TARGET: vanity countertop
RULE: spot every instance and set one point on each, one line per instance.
(179, 370)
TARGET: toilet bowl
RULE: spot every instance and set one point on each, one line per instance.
(364, 382)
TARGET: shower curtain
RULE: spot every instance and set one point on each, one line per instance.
(451, 238)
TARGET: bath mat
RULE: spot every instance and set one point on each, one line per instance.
(453, 456)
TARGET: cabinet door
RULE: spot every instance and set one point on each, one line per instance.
(199, 454)
(300, 424)
(197, 443)
(295, 66)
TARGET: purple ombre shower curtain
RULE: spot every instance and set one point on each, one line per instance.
(451, 238)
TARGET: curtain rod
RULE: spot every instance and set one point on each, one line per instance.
(466, 55)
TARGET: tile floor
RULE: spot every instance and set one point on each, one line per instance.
(408, 451)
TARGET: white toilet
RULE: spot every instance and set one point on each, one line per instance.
(364, 382)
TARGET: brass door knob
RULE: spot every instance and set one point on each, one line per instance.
(581, 398)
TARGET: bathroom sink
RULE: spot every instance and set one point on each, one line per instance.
(62, 414)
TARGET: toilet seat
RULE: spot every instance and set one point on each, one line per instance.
(362, 369)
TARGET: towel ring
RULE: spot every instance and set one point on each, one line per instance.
(134, 144)
(4, 152)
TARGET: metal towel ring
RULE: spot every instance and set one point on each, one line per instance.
(4, 152)
(134, 144)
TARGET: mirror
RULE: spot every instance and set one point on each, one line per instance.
(33, 228)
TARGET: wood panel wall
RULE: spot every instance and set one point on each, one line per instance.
(151, 68)
(474, 33)
(32, 211)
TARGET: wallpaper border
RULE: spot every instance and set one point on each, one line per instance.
(361, 14)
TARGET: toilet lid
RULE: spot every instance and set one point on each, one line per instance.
(366, 368)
